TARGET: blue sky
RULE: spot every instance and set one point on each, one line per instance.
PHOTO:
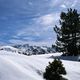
(31, 21)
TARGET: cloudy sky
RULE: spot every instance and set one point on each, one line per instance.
(31, 21)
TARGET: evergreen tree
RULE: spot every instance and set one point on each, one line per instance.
(68, 35)
(54, 71)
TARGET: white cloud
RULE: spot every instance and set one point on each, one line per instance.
(74, 3)
(63, 6)
(64, 3)
(15, 36)
(46, 20)
(27, 31)
(42, 28)
(55, 3)
(30, 3)
(39, 43)
(71, 3)
(49, 19)
(28, 38)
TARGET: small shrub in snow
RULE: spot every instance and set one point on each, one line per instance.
(54, 71)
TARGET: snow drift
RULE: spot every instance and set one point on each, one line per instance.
(15, 66)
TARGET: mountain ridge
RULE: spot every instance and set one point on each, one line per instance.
(28, 49)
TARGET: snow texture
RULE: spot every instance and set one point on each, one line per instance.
(14, 66)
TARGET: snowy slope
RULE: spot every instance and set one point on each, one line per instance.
(9, 48)
(20, 67)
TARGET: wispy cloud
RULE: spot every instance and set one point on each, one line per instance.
(65, 3)
(63, 6)
(31, 21)
(48, 19)
(39, 43)
(74, 3)
(41, 29)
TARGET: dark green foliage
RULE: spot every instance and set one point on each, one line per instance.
(68, 35)
(54, 47)
(54, 70)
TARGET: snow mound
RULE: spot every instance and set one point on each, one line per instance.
(9, 48)
(21, 67)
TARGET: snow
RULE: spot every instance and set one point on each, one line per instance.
(8, 48)
(14, 66)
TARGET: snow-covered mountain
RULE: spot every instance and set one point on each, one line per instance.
(27, 49)
(9, 49)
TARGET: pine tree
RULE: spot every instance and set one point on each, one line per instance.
(54, 71)
(68, 35)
